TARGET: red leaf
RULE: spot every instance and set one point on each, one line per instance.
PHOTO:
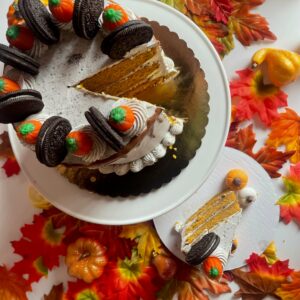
(269, 158)
(38, 241)
(11, 167)
(222, 10)
(250, 27)
(255, 97)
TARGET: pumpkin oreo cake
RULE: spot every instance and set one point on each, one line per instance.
(73, 76)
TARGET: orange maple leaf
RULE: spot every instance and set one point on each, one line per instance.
(255, 97)
(290, 290)
(269, 158)
(286, 131)
(249, 27)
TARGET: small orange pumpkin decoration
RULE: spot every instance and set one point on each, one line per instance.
(20, 37)
(236, 179)
(13, 16)
(28, 131)
(62, 10)
(114, 16)
(7, 85)
(85, 259)
(79, 143)
(121, 118)
(212, 267)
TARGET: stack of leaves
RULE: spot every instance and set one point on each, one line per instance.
(10, 165)
(222, 19)
(290, 202)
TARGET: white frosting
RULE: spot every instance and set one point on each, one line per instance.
(140, 116)
(169, 140)
(99, 146)
(247, 196)
(159, 151)
(149, 159)
(121, 169)
(38, 49)
(177, 127)
(136, 166)
(221, 254)
(65, 26)
(106, 169)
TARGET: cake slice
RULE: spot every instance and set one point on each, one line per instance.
(143, 69)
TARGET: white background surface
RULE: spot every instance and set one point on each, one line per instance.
(15, 210)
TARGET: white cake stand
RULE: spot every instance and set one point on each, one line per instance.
(106, 210)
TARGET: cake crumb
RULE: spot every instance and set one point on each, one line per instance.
(174, 156)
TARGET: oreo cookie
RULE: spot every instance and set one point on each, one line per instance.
(103, 129)
(17, 106)
(85, 17)
(202, 249)
(51, 147)
(125, 38)
(39, 20)
(18, 60)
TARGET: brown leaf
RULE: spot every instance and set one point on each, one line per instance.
(56, 293)
(253, 286)
(5, 147)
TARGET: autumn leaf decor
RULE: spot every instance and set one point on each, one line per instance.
(12, 286)
(290, 202)
(10, 166)
(37, 241)
(222, 19)
(253, 97)
(286, 131)
(270, 159)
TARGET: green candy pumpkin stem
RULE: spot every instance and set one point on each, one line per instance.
(112, 15)
(71, 145)
(118, 115)
(213, 272)
(27, 128)
(2, 85)
(13, 32)
(54, 2)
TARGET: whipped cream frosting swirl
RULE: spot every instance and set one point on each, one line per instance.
(38, 49)
(221, 254)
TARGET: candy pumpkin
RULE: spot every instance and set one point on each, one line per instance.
(79, 143)
(86, 259)
(13, 15)
(236, 179)
(212, 267)
(62, 10)
(114, 16)
(20, 36)
(7, 85)
(28, 131)
(165, 266)
(121, 118)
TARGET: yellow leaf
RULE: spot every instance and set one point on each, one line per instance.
(37, 200)
(146, 237)
(270, 253)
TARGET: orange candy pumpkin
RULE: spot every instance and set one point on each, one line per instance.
(213, 267)
(79, 143)
(20, 37)
(13, 16)
(86, 259)
(121, 118)
(7, 85)
(28, 131)
(114, 16)
(62, 10)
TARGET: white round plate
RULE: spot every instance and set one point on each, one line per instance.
(258, 223)
(105, 210)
